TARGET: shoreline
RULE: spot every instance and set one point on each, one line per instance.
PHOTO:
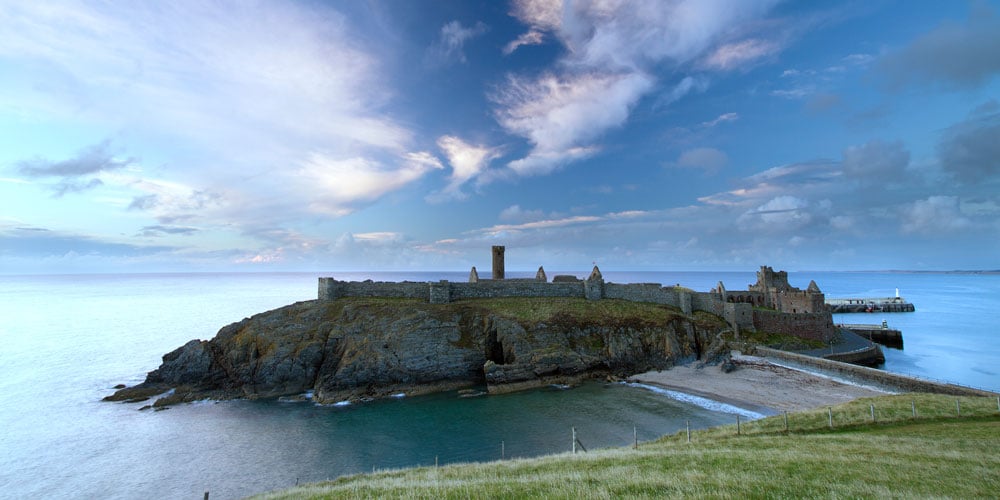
(757, 385)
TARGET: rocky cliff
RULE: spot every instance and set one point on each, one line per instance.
(350, 349)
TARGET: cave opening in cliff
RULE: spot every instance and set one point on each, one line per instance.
(494, 349)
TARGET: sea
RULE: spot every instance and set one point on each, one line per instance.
(67, 340)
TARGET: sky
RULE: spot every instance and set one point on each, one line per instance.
(210, 136)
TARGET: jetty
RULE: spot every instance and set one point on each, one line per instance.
(877, 304)
(881, 334)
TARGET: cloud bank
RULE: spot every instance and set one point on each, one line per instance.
(614, 52)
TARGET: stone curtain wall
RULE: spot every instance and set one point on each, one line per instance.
(330, 289)
(643, 292)
(816, 326)
(491, 289)
(801, 302)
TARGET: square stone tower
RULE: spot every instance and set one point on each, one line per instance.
(498, 262)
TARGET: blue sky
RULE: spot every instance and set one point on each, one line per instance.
(408, 135)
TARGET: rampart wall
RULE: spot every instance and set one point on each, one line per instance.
(798, 302)
(330, 289)
(815, 326)
(439, 292)
(490, 289)
(643, 292)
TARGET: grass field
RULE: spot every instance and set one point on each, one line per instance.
(949, 450)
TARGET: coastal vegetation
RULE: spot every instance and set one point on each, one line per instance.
(357, 348)
(776, 340)
(946, 450)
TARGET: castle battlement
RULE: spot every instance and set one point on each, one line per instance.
(791, 309)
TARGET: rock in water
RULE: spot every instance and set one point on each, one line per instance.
(352, 349)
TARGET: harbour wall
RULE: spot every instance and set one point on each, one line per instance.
(879, 304)
(882, 334)
(894, 381)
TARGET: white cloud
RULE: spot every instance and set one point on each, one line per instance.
(467, 162)
(238, 95)
(378, 237)
(683, 88)
(780, 214)
(613, 50)
(560, 116)
(532, 37)
(876, 162)
(449, 47)
(204, 70)
(795, 92)
(843, 222)
(540, 14)
(970, 149)
(516, 214)
(708, 159)
(953, 55)
(336, 186)
(740, 54)
(934, 215)
(723, 118)
(542, 224)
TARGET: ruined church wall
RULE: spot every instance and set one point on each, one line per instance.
(746, 297)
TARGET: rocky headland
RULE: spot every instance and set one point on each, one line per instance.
(357, 348)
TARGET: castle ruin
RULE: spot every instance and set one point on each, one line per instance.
(771, 305)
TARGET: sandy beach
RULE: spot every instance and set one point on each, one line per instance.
(757, 385)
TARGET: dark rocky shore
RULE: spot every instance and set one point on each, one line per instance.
(357, 348)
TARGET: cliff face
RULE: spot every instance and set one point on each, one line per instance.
(356, 348)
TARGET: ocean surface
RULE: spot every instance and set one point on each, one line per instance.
(67, 340)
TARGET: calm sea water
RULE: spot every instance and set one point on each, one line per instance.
(66, 340)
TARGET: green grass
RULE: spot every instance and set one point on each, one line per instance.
(535, 310)
(934, 455)
(778, 340)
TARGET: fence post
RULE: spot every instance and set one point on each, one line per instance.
(830, 413)
(574, 440)
(958, 407)
(689, 430)
(738, 424)
(635, 436)
(913, 408)
(872, 407)
(501, 450)
(786, 420)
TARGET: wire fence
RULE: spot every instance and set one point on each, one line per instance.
(885, 410)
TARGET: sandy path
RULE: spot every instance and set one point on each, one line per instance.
(757, 385)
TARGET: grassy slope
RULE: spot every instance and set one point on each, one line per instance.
(531, 310)
(934, 455)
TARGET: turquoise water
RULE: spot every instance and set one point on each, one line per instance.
(68, 339)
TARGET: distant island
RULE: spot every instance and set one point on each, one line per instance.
(362, 340)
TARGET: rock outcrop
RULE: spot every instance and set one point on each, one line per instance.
(351, 349)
